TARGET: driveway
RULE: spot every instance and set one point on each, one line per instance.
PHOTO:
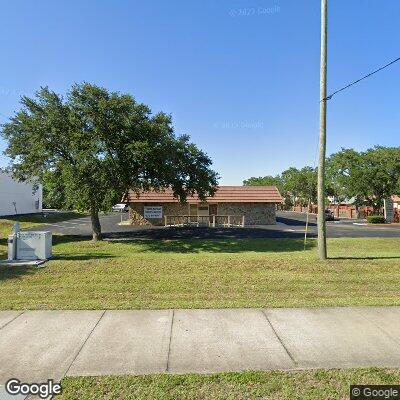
(289, 225)
(335, 229)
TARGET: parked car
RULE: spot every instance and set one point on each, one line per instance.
(121, 207)
(329, 216)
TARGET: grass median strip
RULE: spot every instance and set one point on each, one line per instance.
(272, 385)
(227, 273)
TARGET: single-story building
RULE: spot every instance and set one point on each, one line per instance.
(230, 205)
(18, 197)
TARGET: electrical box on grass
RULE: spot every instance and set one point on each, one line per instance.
(30, 245)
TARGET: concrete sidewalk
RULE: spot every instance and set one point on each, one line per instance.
(38, 345)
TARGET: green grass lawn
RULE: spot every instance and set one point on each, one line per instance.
(274, 385)
(210, 274)
(206, 274)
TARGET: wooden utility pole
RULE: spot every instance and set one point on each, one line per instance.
(322, 134)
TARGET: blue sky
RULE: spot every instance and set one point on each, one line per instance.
(240, 77)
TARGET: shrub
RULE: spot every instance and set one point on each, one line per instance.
(376, 219)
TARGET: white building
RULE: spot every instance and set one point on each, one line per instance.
(18, 197)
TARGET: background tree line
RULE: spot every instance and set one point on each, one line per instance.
(366, 178)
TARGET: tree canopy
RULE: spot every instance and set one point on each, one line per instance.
(366, 177)
(91, 146)
(369, 177)
(295, 185)
(268, 180)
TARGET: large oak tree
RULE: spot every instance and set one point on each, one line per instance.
(92, 146)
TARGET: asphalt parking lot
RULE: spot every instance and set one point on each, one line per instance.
(289, 225)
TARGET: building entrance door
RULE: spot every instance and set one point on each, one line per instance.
(203, 213)
(213, 209)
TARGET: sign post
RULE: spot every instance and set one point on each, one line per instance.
(389, 212)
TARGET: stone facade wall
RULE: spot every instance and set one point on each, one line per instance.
(254, 213)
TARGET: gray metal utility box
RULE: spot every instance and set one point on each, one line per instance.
(30, 245)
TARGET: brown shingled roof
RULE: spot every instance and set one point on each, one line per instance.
(224, 194)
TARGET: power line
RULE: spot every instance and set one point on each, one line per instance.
(358, 80)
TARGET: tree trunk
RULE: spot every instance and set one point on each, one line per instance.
(96, 227)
